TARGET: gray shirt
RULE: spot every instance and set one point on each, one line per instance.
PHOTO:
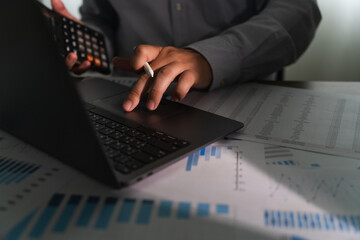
(241, 39)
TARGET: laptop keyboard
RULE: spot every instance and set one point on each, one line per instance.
(131, 146)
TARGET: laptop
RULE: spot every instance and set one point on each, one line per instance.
(83, 124)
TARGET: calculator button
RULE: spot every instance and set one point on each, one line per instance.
(72, 29)
(89, 50)
(96, 54)
(88, 44)
(102, 50)
(97, 62)
(67, 40)
(83, 55)
(90, 58)
(64, 19)
(96, 47)
(103, 57)
(73, 37)
(105, 65)
(74, 44)
(81, 40)
(87, 36)
(79, 33)
(81, 48)
(94, 40)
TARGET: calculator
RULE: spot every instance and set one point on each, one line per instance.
(87, 43)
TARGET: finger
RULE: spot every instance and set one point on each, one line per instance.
(185, 81)
(83, 67)
(60, 8)
(164, 77)
(143, 54)
(133, 98)
(70, 60)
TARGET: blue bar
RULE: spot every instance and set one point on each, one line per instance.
(203, 210)
(315, 165)
(346, 222)
(106, 213)
(10, 172)
(297, 238)
(285, 217)
(183, 210)
(305, 217)
(279, 163)
(27, 174)
(317, 216)
(5, 168)
(266, 216)
(202, 152)
(292, 219)
(229, 148)
(189, 163)
(279, 218)
(195, 159)
(326, 222)
(273, 220)
(300, 225)
(5, 164)
(19, 229)
(18, 173)
(87, 211)
(353, 223)
(165, 209)
(286, 163)
(292, 162)
(67, 214)
(312, 222)
(46, 216)
(332, 221)
(339, 222)
(213, 151)
(218, 152)
(126, 210)
(145, 212)
(207, 153)
(222, 209)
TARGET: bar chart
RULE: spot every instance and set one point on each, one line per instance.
(64, 212)
(312, 221)
(13, 171)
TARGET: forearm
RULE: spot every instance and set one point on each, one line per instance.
(274, 38)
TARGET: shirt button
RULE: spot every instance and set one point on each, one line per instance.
(178, 6)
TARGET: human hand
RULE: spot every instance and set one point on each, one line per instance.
(189, 68)
(71, 59)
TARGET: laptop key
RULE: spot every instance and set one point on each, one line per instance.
(143, 157)
(122, 168)
(163, 145)
(153, 151)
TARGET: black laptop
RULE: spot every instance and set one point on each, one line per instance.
(83, 124)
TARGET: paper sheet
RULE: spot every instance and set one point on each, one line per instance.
(232, 189)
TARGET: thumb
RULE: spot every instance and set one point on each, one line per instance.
(59, 7)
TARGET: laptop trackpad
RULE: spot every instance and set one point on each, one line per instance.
(141, 114)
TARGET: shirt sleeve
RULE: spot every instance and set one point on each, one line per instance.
(264, 44)
(100, 15)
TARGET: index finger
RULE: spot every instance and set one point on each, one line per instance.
(143, 54)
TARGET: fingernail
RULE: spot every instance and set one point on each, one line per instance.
(127, 105)
(151, 105)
